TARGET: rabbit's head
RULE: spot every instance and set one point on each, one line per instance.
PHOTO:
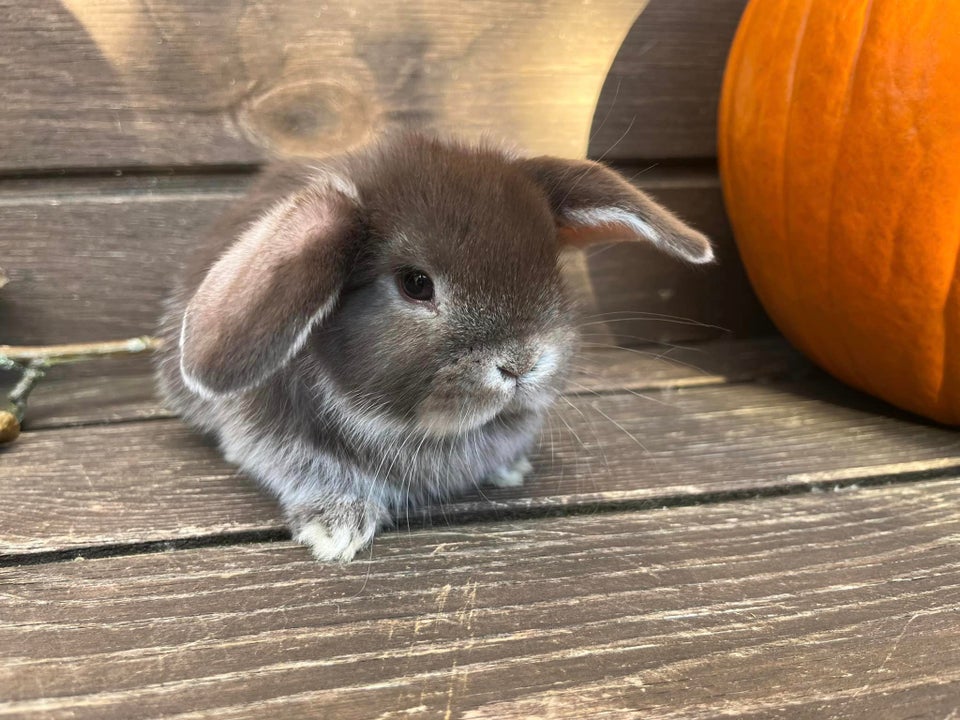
(416, 283)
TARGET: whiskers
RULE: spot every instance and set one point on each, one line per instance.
(616, 316)
(609, 402)
(599, 446)
(590, 382)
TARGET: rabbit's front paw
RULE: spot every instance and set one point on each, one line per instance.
(510, 475)
(336, 531)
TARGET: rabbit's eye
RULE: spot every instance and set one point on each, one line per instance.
(415, 284)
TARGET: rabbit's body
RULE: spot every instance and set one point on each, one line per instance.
(389, 328)
(288, 433)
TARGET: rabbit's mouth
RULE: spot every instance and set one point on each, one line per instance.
(444, 414)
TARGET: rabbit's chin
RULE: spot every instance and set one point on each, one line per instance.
(452, 416)
(451, 422)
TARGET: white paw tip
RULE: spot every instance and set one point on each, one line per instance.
(327, 544)
(507, 478)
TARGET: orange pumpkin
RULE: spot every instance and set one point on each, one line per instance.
(840, 159)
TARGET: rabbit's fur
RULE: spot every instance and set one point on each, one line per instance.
(291, 339)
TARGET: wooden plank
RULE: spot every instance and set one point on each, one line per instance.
(821, 605)
(183, 82)
(104, 279)
(661, 95)
(94, 400)
(124, 389)
(155, 481)
(117, 84)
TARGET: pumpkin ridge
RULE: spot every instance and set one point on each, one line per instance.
(727, 108)
(853, 372)
(791, 87)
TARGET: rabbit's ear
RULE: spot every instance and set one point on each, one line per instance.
(257, 304)
(594, 204)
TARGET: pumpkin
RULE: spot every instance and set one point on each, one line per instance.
(839, 147)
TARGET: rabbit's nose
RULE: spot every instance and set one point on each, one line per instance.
(516, 368)
(508, 373)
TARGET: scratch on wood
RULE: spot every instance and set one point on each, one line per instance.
(442, 596)
(441, 602)
(407, 712)
(464, 618)
(893, 649)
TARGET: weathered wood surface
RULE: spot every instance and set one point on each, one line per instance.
(821, 605)
(154, 481)
(185, 82)
(91, 260)
(661, 95)
(94, 265)
(123, 389)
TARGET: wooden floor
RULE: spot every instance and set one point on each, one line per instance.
(722, 532)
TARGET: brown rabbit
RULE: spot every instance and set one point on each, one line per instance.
(391, 327)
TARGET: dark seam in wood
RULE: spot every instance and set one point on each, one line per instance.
(431, 515)
(145, 548)
(87, 173)
(698, 167)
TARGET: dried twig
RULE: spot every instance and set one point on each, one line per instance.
(32, 361)
(49, 355)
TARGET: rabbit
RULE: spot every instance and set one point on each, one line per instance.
(389, 326)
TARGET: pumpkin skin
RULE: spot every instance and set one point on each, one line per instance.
(839, 145)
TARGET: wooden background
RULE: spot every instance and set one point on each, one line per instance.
(721, 532)
(125, 127)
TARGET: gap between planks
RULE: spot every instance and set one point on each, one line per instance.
(158, 183)
(433, 518)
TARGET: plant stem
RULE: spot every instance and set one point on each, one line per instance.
(31, 362)
(13, 409)
(49, 355)
(21, 391)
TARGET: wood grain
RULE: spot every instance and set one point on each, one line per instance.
(91, 261)
(174, 82)
(661, 95)
(107, 274)
(116, 84)
(822, 605)
(123, 389)
(155, 481)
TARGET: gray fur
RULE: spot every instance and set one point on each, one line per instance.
(380, 403)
